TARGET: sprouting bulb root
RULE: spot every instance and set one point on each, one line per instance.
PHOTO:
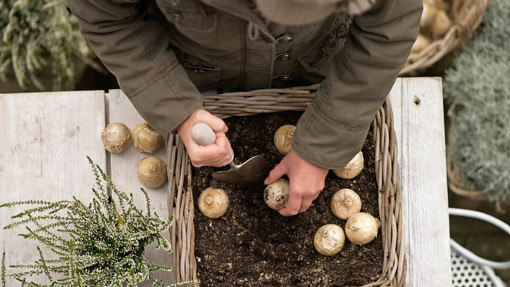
(213, 202)
(361, 228)
(329, 239)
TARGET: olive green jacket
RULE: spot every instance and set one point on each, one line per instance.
(163, 52)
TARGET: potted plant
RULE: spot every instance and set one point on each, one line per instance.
(97, 244)
(41, 47)
(476, 91)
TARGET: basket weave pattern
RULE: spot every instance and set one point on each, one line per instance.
(182, 234)
(466, 15)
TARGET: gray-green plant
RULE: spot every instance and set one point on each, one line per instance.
(40, 36)
(97, 244)
(477, 88)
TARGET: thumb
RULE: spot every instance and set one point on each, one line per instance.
(276, 173)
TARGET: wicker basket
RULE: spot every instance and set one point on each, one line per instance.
(466, 15)
(182, 233)
(456, 182)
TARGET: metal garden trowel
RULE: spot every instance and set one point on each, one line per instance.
(251, 172)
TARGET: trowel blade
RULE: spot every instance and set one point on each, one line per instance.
(251, 172)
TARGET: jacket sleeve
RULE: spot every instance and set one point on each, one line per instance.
(333, 128)
(133, 46)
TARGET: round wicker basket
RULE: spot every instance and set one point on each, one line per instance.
(466, 15)
(182, 233)
(456, 182)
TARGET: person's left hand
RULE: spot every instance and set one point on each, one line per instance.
(306, 181)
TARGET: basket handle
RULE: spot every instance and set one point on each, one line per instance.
(470, 255)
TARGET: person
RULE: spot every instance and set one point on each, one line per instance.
(165, 52)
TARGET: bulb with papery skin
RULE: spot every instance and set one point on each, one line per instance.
(146, 139)
(361, 228)
(116, 137)
(345, 203)
(213, 202)
(421, 43)
(441, 25)
(152, 172)
(276, 194)
(283, 138)
(329, 239)
(352, 169)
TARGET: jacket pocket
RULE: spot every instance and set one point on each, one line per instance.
(333, 36)
(204, 76)
(190, 17)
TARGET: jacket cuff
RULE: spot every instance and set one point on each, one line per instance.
(322, 142)
(168, 101)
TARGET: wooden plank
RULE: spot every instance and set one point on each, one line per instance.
(123, 168)
(419, 126)
(44, 142)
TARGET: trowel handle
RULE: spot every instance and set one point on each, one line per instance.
(203, 134)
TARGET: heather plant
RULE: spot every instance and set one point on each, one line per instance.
(39, 36)
(477, 88)
(97, 244)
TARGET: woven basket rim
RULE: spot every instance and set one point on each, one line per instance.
(275, 100)
(466, 16)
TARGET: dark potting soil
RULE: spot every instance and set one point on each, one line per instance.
(253, 245)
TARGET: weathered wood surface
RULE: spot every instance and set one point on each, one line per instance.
(123, 170)
(46, 136)
(44, 141)
(418, 115)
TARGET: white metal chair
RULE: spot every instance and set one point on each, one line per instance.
(469, 269)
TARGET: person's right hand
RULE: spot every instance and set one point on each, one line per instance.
(218, 154)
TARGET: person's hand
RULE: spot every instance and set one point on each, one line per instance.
(218, 154)
(306, 181)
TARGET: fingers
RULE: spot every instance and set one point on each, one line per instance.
(216, 123)
(298, 203)
(218, 154)
(276, 173)
(305, 182)
(306, 203)
(300, 198)
(293, 205)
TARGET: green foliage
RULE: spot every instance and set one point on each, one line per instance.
(99, 244)
(2, 271)
(37, 35)
(478, 89)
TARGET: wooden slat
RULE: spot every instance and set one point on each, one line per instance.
(419, 126)
(123, 168)
(44, 141)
